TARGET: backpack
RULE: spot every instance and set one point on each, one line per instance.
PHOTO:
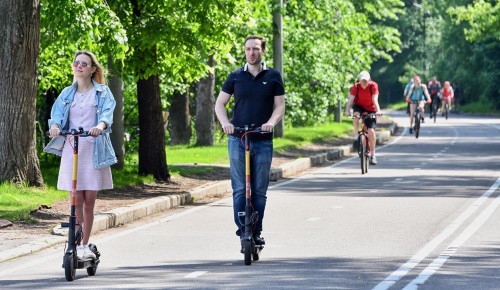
(434, 88)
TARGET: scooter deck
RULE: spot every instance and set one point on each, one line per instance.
(87, 263)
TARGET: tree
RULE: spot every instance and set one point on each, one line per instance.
(483, 18)
(205, 112)
(20, 37)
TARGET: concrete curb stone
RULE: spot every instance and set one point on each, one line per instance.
(133, 212)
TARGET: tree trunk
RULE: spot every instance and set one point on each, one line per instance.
(205, 113)
(180, 119)
(152, 155)
(20, 42)
(278, 53)
(118, 131)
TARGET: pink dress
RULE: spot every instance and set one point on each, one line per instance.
(82, 113)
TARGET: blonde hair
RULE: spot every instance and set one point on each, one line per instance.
(98, 75)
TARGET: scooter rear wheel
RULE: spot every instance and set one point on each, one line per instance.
(69, 263)
(92, 270)
(256, 256)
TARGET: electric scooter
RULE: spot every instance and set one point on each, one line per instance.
(249, 248)
(75, 236)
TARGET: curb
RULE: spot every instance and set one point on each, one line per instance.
(124, 215)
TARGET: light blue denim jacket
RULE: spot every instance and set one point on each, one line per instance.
(104, 154)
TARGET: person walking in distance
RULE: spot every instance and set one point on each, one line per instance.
(259, 100)
(363, 97)
(87, 103)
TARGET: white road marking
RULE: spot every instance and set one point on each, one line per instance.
(195, 274)
(312, 219)
(429, 247)
(454, 246)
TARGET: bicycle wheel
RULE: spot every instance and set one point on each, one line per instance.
(362, 152)
(446, 110)
(434, 110)
(417, 126)
(367, 154)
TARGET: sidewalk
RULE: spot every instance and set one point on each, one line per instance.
(17, 243)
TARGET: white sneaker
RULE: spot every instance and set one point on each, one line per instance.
(87, 253)
(79, 252)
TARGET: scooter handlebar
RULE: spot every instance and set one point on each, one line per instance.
(249, 129)
(73, 132)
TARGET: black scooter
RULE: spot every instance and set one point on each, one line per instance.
(75, 236)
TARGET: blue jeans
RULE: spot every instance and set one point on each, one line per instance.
(260, 165)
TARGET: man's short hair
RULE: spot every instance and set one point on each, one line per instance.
(261, 38)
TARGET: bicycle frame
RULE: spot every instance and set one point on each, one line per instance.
(416, 118)
(364, 142)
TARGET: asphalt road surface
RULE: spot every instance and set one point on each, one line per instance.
(425, 217)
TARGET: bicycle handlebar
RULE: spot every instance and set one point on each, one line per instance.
(365, 115)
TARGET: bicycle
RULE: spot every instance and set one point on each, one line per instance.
(250, 249)
(75, 236)
(416, 119)
(363, 142)
(434, 108)
(446, 109)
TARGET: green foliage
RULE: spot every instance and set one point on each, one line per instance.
(482, 107)
(68, 26)
(173, 39)
(327, 44)
(483, 18)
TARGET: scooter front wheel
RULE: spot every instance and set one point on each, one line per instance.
(69, 263)
(248, 252)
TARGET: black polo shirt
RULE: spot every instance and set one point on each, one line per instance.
(253, 96)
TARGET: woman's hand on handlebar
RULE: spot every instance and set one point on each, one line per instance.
(54, 132)
(95, 131)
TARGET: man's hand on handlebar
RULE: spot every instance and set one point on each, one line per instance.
(228, 128)
(267, 127)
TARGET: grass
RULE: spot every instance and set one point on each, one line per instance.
(294, 138)
(17, 201)
(479, 107)
(401, 106)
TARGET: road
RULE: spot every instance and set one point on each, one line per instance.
(425, 217)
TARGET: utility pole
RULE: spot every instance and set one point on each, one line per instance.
(278, 52)
(424, 15)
